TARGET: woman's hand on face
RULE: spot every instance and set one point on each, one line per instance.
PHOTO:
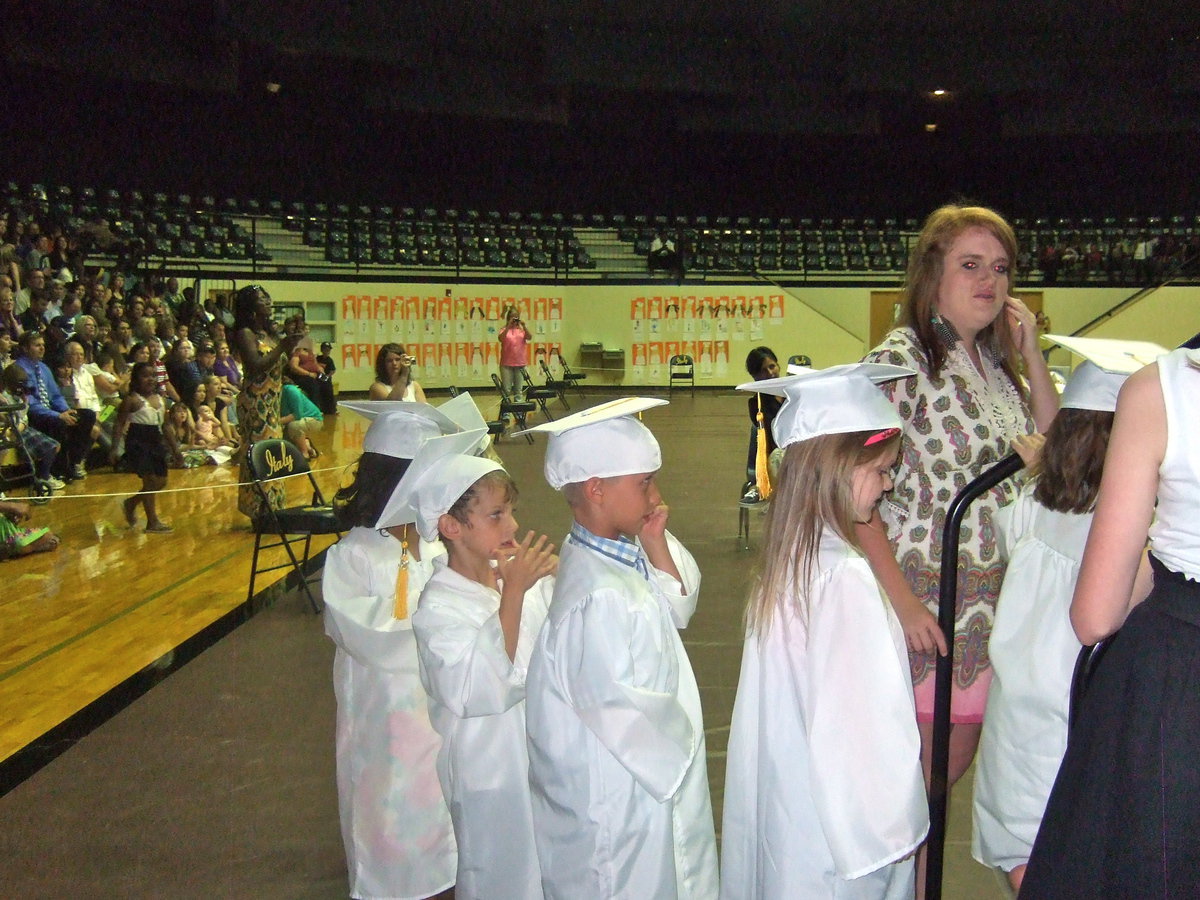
(1023, 325)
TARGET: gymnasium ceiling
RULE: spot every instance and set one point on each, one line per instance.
(809, 67)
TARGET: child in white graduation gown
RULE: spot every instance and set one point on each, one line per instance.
(824, 796)
(1033, 647)
(395, 825)
(616, 735)
(478, 617)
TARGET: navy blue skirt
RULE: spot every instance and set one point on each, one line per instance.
(1123, 819)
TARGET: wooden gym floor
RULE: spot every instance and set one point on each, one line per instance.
(209, 772)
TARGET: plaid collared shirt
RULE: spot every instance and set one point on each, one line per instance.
(623, 550)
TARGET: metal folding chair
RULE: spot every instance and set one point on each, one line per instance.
(269, 460)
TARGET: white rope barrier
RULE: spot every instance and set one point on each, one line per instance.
(179, 490)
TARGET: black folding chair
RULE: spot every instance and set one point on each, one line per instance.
(682, 368)
(558, 385)
(269, 460)
(538, 395)
(517, 409)
(571, 378)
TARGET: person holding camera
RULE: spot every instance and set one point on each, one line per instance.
(263, 354)
(393, 376)
(514, 354)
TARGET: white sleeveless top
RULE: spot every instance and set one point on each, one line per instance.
(1175, 534)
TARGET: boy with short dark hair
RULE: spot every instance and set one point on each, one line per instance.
(616, 736)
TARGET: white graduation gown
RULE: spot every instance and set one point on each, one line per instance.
(1033, 651)
(395, 825)
(616, 738)
(824, 796)
(477, 705)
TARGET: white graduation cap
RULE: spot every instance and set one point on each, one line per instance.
(1107, 362)
(463, 410)
(399, 427)
(602, 442)
(440, 472)
(836, 400)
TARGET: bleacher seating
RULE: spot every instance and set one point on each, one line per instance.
(245, 232)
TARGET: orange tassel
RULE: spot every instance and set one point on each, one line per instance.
(400, 610)
(762, 474)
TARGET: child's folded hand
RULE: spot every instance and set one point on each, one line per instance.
(521, 567)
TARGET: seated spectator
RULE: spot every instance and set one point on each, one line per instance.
(87, 396)
(122, 337)
(50, 414)
(182, 372)
(310, 376)
(209, 432)
(42, 449)
(664, 256)
(226, 365)
(182, 341)
(34, 318)
(9, 325)
(35, 282)
(113, 385)
(206, 357)
(158, 360)
(180, 432)
(326, 359)
(300, 418)
(223, 400)
(18, 541)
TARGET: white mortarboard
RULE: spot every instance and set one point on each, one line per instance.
(463, 410)
(602, 442)
(1106, 364)
(836, 400)
(399, 427)
(434, 468)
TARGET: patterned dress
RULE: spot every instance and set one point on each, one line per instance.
(258, 420)
(956, 426)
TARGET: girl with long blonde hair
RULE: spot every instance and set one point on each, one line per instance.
(824, 795)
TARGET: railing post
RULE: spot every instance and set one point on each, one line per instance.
(939, 787)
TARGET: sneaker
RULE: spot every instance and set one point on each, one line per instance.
(751, 495)
(79, 471)
(55, 484)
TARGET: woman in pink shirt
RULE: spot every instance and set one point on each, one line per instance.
(514, 354)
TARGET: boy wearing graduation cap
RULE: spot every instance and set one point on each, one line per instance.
(396, 827)
(824, 796)
(616, 737)
(478, 617)
(1033, 647)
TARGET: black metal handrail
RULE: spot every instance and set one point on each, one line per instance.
(939, 787)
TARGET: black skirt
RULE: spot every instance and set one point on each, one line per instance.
(1123, 819)
(145, 450)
